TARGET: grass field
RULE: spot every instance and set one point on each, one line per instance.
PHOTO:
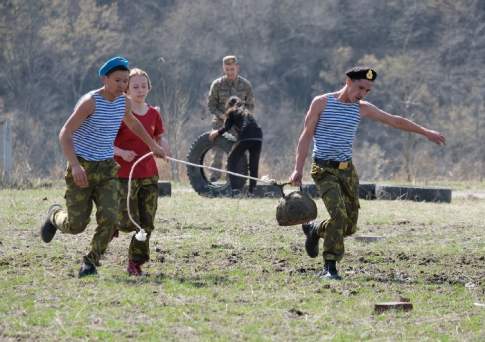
(222, 270)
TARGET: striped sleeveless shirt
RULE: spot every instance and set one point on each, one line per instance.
(94, 139)
(336, 129)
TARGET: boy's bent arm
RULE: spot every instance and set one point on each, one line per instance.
(81, 112)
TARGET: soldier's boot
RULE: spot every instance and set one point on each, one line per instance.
(87, 268)
(330, 271)
(312, 239)
(134, 268)
(48, 230)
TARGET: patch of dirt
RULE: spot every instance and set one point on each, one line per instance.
(452, 279)
(403, 222)
(296, 313)
(280, 265)
(305, 270)
(205, 280)
(297, 248)
(222, 246)
(189, 257)
(453, 270)
(233, 259)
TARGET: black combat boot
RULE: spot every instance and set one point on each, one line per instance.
(312, 239)
(330, 271)
(48, 230)
(87, 268)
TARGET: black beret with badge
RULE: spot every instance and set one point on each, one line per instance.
(361, 73)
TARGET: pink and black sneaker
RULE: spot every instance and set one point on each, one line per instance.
(134, 268)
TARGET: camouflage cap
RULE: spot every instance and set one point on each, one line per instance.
(231, 59)
(361, 73)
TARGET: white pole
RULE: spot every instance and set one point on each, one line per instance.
(7, 150)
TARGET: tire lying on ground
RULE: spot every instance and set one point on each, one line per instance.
(419, 194)
(164, 188)
(367, 191)
(199, 177)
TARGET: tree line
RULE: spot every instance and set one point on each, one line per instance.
(428, 54)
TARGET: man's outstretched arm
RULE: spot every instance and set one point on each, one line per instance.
(372, 112)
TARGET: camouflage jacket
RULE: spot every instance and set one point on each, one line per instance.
(221, 89)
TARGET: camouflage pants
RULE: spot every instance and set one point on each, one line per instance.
(340, 194)
(143, 206)
(102, 191)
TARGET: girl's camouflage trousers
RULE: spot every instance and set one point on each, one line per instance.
(143, 207)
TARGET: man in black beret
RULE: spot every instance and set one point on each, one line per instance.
(361, 73)
(332, 121)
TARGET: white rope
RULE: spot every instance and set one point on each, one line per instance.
(141, 234)
(264, 180)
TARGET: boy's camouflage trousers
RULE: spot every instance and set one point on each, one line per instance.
(143, 207)
(102, 191)
(339, 190)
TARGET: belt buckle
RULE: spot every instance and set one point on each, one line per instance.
(343, 165)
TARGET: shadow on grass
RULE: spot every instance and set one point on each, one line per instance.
(206, 280)
(196, 281)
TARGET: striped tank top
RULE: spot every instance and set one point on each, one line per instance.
(94, 139)
(336, 129)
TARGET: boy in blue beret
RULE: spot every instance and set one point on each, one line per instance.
(331, 122)
(87, 140)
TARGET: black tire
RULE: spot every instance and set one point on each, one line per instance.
(419, 194)
(164, 188)
(367, 191)
(198, 177)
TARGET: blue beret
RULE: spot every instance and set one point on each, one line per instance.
(112, 63)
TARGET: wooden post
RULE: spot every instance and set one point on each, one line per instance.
(6, 150)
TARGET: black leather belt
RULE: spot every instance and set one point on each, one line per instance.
(341, 165)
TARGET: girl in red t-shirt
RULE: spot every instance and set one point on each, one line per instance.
(144, 183)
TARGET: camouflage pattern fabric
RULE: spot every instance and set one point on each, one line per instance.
(339, 190)
(102, 191)
(221, 90)
(143, 207)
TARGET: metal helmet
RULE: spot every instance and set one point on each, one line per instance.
(295, 208)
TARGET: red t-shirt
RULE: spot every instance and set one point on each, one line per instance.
(127, 140)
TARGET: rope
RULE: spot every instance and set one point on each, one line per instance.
(141, 234)
(264, 180)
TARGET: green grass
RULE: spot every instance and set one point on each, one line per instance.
(230, 273)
